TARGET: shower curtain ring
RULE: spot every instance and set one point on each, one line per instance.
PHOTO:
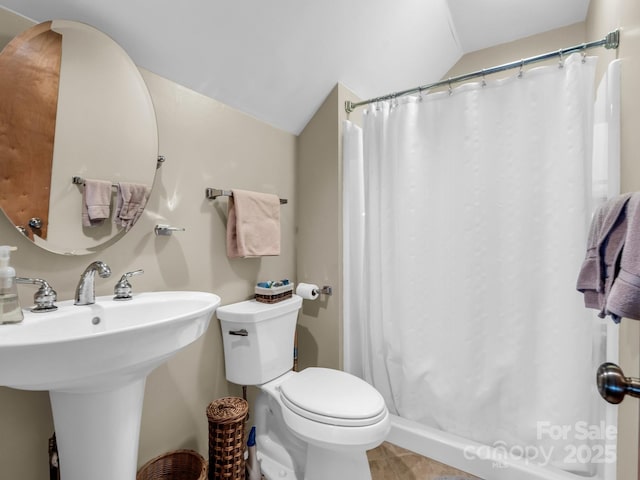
(561, 61)
(484, 80)
(450, 89)
(584, 52)
(521, 72)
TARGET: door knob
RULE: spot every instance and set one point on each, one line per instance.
(35, 222)
(613, 385)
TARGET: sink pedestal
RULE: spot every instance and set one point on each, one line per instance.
(98, 432)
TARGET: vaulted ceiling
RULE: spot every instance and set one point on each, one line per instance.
(278, 59)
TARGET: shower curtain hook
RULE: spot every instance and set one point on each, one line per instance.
(561, 61)
(484, 80)
(450, 89)
(521, 72)
(584, 53)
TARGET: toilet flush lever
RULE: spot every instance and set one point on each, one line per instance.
(242, 332)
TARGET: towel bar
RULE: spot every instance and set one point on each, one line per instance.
(213, 193)
(77, 180)
(80, 181)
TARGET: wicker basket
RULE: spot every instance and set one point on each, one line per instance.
(227, 417)
(176, 465)
(273, 294)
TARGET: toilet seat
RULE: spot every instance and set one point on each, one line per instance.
(333, 397)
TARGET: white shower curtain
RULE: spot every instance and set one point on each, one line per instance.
(465, 219)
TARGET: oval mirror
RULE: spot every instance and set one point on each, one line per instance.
(78, 137)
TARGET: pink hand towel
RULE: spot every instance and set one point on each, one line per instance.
(253, 224)
(132, 198)
(96, 202)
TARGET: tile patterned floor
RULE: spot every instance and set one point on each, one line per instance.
(390, 462)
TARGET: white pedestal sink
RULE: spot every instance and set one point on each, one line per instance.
(94, 360)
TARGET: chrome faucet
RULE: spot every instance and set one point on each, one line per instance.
(85, 291)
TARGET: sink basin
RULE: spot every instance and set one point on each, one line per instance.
(94, 360)
(89, 347)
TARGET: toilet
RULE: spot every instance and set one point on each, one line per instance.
(316, 424)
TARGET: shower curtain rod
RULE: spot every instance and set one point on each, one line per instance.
(611, 41)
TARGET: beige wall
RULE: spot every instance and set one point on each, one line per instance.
(318, 236)
(319, 230)
(207, 144)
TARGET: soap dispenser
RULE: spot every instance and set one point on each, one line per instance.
(10, 311)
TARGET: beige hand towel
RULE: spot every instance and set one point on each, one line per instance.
(253, 224)
(132, 198)
(96, 202)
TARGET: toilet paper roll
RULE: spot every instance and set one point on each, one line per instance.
(308, 291)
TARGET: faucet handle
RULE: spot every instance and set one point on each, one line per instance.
(45, 298)
(123, 290)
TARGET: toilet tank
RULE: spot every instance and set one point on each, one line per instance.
(258, 339)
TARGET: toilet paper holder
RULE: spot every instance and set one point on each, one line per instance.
(325, 290)
(311, 291)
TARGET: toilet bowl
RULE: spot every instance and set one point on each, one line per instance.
(311, 425)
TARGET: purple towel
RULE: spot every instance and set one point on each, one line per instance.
(607, 237)
(624, 298)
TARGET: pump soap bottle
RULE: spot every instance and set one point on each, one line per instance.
(10, 311)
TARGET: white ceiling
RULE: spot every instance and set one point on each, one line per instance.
(278, 59)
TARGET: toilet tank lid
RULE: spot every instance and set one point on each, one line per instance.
(251, 311)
